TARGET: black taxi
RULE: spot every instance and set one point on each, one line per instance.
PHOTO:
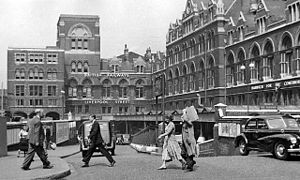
(279, 135)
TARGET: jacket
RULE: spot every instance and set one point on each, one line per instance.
(36, 134)
(95, 134)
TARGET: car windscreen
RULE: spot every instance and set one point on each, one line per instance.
(276, 123)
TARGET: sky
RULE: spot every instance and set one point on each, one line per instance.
(138, 23)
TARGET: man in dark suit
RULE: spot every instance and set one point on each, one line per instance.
(96, 141)
(36, 139)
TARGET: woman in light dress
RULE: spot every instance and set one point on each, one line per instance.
(171, 149)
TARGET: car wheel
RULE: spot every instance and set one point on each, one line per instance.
(280, 151)
(243, 148)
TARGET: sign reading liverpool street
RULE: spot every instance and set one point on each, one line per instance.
(103, 101)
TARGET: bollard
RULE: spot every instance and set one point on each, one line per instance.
(3, 137)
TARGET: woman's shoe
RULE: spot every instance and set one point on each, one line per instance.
(162, 168)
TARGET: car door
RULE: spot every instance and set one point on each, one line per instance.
(251, 133)
(262, 131)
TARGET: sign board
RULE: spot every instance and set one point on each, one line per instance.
(192, 113)
(62, 132)
(229, 129)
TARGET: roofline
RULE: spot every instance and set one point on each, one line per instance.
(78, 16)
(33, 49)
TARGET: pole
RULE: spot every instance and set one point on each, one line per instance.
(163, 100)
(156, 116)
(2, 102)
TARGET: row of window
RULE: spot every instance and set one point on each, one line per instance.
(79, 43)
(37, 58)
(191, 48)
(36, 102)
(105, 109)
(36, 74)
(79, 67)
(87, 92)
(35, 90)
(115, 68)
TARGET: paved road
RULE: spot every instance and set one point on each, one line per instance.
(132, 165)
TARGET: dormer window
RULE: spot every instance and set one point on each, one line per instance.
(241, 33)
(115, 68)
(261, 24)
(294, 12)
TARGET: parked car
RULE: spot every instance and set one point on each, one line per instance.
(279, 135)
(106, 132)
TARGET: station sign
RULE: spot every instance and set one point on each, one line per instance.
(111, 75)
(103, 101)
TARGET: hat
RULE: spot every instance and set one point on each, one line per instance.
(170, 117)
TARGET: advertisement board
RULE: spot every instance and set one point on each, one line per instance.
(62, 132)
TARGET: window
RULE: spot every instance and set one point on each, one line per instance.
(123, 92)
(52, 58)
(36, 58)
(115, 68)
(35, 102)
(79, 109)
(123, 110)
(18, 74)
(86, 109)
(79, 67)
(20, 102)
(31, 74)
(86, 67)
(79, 43)
(73, 67)
(85, 44)
(52, 91)
(52, 102)
(251, 124)
(36, 73)
(20, 57)
(20, 90)
(139, 110)
(139, 69)
(106, 89)
(72, 92)
(73, 44)
(41, 74)
(86, 92)
(35, 90)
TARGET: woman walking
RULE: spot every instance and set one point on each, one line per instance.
(171, 148)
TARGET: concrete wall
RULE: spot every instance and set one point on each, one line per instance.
(3, 140)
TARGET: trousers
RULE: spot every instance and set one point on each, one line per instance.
(91, 151)
(32, 149)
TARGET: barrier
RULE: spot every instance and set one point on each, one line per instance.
(3, 139)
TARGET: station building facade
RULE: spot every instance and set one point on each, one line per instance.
(241, 53)
(72, 78)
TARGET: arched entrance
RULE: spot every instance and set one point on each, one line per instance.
(19, 116)
(53, 115)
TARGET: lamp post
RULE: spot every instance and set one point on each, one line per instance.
(63, 103)
(247, 73)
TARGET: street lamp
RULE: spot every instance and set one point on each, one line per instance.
(63, 103)
(247, 73)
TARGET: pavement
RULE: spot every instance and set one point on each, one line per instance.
(10, 165)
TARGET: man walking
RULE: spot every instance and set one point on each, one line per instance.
(36, 138)
(96, 141)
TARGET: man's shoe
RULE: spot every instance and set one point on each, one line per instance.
(85, 165)
(48, 167)
(25, 168)
(112, 164)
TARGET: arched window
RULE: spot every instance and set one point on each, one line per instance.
(192, 77)
(54, 74)
(72, 88)
(106, 89)
(139, 89)
(36, 73)
(254, 63)
(87, 88)
(86, 67)
(30, 74)
(79, 67)
(230, 70)
(41, 74)
(170, 83)
(240, 70)
(123, 89)
(22, 73)
(73, 67)
(286, 56)
(201, 75)
(210, 74)
(185, 79)
(18, 74)
(176, 83)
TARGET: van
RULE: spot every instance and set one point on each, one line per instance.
(106, 133)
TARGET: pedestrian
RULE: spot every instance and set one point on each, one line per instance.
(36, 139)
(96, 140)
(171, 149)
(188, 140)
(23, 137)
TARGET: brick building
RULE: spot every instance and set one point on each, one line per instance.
(241, 53)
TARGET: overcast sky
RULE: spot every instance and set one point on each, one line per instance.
(138, 23)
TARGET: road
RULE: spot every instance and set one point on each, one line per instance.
(139, 166)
